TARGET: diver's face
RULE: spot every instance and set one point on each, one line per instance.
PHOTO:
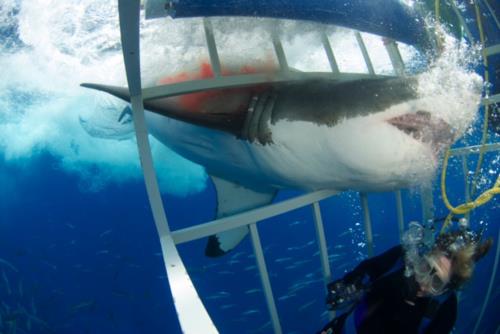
(435, 276)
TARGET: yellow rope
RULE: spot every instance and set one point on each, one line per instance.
(437, 31)
(464, 208)
(488, 194)
(437, 10)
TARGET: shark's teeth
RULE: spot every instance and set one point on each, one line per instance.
(425, 128)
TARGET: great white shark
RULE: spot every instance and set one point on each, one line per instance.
(374, 134)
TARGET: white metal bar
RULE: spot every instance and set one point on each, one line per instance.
(320, 236)
(146, 158)
(192, 315)
(462, 21)
(248, 217)
(129, 32)
(426, 198)
(368, 223)
(490, 286)
(329, 53)
(323, 250)
(234, 81)
(399, 209)
(427, 202)
(212, 47)
(492, 12)
(264, 276)
(465, 170)
(492, 50)
(474, 149)
(364, 51)
(280, 53)
(492, 99)
(394, 56)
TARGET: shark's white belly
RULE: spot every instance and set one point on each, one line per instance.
(365, 154)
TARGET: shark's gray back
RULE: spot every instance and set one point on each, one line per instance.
(327, 102)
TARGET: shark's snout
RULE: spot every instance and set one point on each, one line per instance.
(425, 128)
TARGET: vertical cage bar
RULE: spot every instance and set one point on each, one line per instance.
(465, 169)
(212, 47)
(364, 51)
(492, 12)
(394, 56)
(323, 250)
(264, 276)
(462, 21)
(320, 236)
(368, 223)
(186, 300)
(490, 286)
(280, 52)
(329, 53)
(399, 208)
(427, 204)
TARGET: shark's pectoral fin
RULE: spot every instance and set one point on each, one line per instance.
(222, 243)
(233, 198)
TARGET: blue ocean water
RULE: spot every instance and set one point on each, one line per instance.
(89, 262)
(80, 258)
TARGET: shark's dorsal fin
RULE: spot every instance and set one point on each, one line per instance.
(233, 198)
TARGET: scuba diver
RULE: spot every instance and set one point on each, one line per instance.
(411, 287)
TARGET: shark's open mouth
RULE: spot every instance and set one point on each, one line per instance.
(425, 128)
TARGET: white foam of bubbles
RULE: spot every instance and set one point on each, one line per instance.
(451, 89)
(78, 41)
(73, 42)
(41, 103)
(6, 13)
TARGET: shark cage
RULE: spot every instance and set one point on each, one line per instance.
(358, 15)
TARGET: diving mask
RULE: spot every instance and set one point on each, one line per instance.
(427, 275)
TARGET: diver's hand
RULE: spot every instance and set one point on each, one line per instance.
(352, 277)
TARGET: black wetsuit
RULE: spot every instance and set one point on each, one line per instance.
(387, 306)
